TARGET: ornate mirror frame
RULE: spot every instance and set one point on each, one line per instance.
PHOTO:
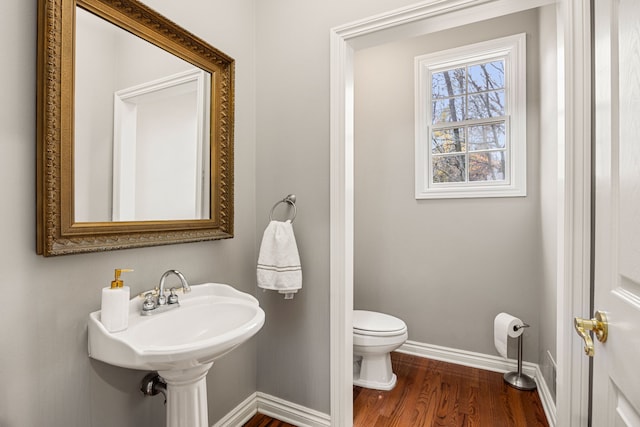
(57, 232)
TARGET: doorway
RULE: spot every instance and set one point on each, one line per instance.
(421, 19)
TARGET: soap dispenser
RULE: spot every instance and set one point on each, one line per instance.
(114, 313)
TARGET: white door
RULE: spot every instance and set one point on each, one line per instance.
(616, 381)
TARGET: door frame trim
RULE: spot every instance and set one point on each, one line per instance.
(574, 207)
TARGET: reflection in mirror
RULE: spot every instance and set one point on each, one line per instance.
(141, 129)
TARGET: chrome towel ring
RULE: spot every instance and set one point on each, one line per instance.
(290, 199)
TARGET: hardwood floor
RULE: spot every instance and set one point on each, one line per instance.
(430, 393)
(260, 420)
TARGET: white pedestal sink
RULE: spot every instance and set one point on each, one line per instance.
(181, 344)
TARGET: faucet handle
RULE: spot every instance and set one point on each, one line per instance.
(144, 294)
(148, 304)
(172, 298)
(161, 300)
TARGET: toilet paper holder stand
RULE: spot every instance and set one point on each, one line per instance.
(517, 379)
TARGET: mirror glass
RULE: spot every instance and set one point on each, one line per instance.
(135, 121)
(141, 128)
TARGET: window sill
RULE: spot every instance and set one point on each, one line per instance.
(471, 192)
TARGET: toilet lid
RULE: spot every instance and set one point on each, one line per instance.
(378, 324)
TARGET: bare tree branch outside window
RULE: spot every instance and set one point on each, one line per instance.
(469, 134)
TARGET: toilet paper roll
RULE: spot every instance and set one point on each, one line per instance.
(505, 326)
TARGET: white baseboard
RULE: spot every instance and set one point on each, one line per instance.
(548, 403)
(301, 416)
(465, 358)
(241, 413)
(291, 413)
(274, 407)
(489, 363)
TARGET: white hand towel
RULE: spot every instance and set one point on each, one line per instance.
(279, 262)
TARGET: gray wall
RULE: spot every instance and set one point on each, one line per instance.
(293, 157)
(292, 149)
(445, 266)
(394, 233)
(48, 380)
(548, 197)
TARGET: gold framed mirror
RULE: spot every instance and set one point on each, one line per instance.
(116, 169)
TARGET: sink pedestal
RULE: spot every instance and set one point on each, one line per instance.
(187, 396)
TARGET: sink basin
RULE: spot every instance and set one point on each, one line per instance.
(212, 320)
(181, 344)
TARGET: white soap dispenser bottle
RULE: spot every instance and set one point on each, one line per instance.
(114, 313)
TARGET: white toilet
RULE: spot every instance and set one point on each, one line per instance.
(375, 335)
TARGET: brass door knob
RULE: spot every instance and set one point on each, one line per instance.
(598, 325)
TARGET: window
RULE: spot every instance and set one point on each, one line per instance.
(471, 121)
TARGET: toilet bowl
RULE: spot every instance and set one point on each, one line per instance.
(375, 336)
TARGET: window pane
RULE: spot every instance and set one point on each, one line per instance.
(487, 166)
(448, 169)
(485, 105)
(487, 137)
(487, 76)
(447, 83)
(448, 110)
(449, 140)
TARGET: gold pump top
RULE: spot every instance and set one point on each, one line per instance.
(117, 282)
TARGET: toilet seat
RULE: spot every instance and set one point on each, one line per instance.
(371, 323)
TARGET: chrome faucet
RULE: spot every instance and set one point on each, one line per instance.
(162, 299)
(163, 302)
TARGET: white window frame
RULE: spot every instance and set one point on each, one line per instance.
(512, 50)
